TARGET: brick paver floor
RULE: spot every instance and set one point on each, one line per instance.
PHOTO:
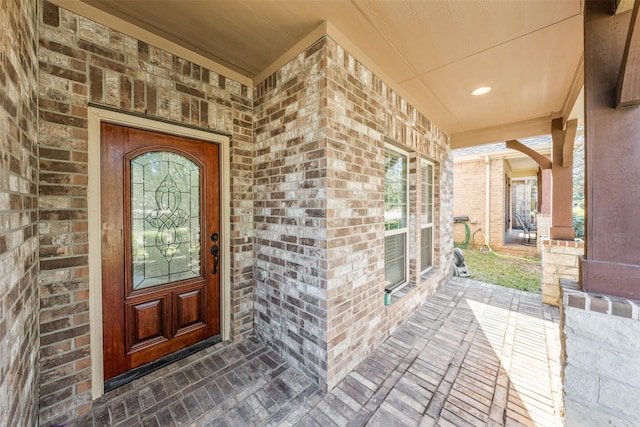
(474, 354)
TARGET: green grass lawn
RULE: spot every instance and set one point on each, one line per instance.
(512, 272)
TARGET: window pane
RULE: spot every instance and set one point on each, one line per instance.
(394, 260)
(395, 190)
(426, 248)
(426, 193)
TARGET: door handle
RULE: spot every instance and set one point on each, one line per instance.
(214, 252)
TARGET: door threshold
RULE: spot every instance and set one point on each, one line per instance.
(141, 371)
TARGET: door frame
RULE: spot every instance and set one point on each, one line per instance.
(94, 218)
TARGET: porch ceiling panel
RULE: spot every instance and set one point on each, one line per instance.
(434, 52)
(434, 34)
(514, 70)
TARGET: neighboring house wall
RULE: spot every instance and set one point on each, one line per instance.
(84, 62)
(470, 190)
(321, 125)
(19, 334)
(500, 173)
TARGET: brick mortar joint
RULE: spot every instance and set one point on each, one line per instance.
(598, 303)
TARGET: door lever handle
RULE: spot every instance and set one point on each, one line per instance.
(214, 252)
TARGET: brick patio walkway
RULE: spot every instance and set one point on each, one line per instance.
(474, 354)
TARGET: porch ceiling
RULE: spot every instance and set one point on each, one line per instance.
(434, 52)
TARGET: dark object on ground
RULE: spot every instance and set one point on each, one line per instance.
(459, 266)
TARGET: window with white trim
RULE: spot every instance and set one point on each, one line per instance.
(426, 215)
(396, 217)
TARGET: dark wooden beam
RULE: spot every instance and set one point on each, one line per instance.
(574, 92)
(628, 93)
(541, 160)
(561, 183)
(569, 141)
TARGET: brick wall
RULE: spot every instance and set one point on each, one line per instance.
(470, 189)
(321, 125)
(469, 185)
(363, 113)
(601, 367)
(499, 169)
(306, 167)
(290, 200)
(81, 62)
(19, 339)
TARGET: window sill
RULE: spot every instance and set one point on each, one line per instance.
(427, 274)
(397, 295)
(402, 291)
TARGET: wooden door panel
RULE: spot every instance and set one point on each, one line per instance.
(189, 311)
(148, 324)
(149, 312)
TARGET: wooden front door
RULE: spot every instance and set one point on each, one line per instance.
(160, 245)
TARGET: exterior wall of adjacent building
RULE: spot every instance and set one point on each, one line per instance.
(19, 329)
(469, 189)
(500, 174)
(322, 122)
(82, 62)
(470, 199)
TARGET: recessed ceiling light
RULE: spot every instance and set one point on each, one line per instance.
(481, 91)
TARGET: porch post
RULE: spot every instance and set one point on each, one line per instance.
(612, 157)
(562, 180)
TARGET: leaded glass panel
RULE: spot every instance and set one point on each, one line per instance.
(165, 218)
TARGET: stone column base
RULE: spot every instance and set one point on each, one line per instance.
(560, 260)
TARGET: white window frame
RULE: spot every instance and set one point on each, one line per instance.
(422, 213)
(404, 230)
